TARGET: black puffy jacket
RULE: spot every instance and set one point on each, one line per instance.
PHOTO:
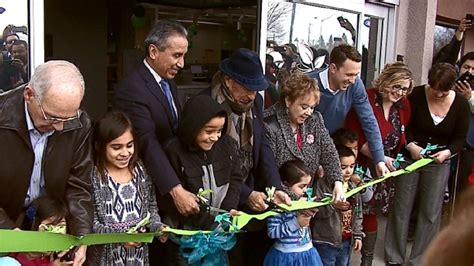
(217, 169)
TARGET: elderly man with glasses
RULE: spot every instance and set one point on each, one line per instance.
(46, 149)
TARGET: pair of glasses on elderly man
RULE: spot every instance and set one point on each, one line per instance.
(54, 120)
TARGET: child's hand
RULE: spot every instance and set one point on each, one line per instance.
(163, 237)
(234, 213)
(357, 245)
(342, 205)
(136, 244)
(309, 212)
(303, 219)
(320, 172)
(355, 178)
(58, 262)
(132, 244)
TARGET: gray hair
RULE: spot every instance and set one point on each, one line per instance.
(53, 73)
(160, 33)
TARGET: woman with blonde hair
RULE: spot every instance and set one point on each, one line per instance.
(391, 108)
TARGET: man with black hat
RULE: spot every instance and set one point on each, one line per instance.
(235, 87)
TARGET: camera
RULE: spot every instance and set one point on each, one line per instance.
(280, 49)
(22, 29)
(469, 17)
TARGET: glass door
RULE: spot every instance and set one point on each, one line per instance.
(376, 41)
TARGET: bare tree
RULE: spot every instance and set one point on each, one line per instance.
(275, 17)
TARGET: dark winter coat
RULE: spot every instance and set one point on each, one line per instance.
(217, 169)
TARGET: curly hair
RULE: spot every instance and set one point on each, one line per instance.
(298, 85)
(392, 74)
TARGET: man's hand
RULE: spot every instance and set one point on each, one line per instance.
(185, 201)
(464, 88)
(80, 256)
(415, 151)
(357, 245)
(381, 169)
(281, 197)
(338, 193)
(441, 156)
(464, 24)
(256, 201)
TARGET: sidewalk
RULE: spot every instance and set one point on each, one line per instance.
(379, 246)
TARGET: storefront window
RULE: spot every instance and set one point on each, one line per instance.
(318, 27)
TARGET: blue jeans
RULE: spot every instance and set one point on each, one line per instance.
(335, 256)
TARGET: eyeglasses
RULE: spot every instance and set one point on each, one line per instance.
(398, 88)
(54, 120)
(10, 41)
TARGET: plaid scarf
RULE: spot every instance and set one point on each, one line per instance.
(239, 122)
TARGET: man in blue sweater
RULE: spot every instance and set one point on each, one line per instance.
(342, 89)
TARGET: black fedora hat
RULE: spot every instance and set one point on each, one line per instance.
(244, 67)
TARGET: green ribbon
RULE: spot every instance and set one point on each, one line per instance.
(36, 241)
(242, 220)
(398, 160)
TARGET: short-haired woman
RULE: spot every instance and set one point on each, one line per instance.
(297, 131)
(438, 126)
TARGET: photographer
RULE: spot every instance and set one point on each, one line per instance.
(449, 54)
(8, 43)
(14, 72)
(464, 87)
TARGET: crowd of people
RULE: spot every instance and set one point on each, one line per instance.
(147, 162)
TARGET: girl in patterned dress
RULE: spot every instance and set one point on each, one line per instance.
(123, 192)
(291, 230)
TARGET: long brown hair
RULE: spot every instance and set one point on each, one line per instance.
(109, 127)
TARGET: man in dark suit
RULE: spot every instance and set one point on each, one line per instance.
(149, 97)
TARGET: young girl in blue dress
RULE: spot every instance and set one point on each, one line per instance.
(123, 192)
(290, 230)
